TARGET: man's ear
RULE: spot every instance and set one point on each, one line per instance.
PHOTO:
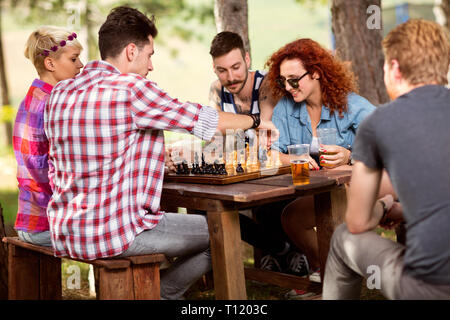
(48, 64)
(247, 59)
(394, 66)
(131, 51)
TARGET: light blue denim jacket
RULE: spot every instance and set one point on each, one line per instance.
(292, 120)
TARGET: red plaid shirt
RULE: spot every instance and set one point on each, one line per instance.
(107, 147)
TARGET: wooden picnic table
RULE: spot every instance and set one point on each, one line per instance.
(222, 202)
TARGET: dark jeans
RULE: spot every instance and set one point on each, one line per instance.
(266, 233)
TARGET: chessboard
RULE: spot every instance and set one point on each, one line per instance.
(234, 159)
(223, 173)
(227, 178)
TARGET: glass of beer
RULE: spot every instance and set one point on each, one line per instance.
(326, 136)
(299, 159)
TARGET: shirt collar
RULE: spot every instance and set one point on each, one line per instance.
(44, 86)
(299, 111)
(101, 64)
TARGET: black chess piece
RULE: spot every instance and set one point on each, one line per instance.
(223, 170)
(194, 168)
(185, 167)
(203, 160)
(179, 169)
(239, 168)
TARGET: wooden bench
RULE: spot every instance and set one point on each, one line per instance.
(35, 273)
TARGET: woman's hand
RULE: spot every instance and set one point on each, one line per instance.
(334, 156)
(313, 164)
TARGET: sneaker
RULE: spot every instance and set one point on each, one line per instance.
(270, 263)
(297, 294)
(297, 264)
(315, 276)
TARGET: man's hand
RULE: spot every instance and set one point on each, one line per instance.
(393, 217)
(270, 127)
(169, 164)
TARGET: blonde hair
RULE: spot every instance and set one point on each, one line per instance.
(422, 50)
(43, 39)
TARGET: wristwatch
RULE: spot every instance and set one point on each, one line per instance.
(350, 160)
(385, 210)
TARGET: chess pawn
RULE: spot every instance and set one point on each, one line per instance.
(223, 170)
(239, 168)
(179, 168)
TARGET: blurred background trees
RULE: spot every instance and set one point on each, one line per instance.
(265, 25)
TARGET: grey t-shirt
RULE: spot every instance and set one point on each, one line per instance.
(410, 138)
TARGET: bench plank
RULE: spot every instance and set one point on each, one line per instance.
(105, 263)
(36, 274)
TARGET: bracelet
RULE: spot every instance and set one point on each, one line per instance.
(256, 120)
(350, 161)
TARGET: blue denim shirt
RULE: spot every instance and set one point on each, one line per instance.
(292, 120)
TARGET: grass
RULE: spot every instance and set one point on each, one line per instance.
(202, 290)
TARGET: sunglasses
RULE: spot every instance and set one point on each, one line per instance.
(281, 81)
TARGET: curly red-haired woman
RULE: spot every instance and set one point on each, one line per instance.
(316, 90)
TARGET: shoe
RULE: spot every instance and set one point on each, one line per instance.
(315, 276)
(297, 294)
(297, 264)
(270, 263)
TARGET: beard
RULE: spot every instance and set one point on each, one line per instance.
(237, 82)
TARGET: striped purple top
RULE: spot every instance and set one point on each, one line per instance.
(31, 151)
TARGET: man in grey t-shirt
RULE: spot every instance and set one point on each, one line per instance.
(409, 137)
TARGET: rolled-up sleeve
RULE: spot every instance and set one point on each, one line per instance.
(279, 119)
(207, 122)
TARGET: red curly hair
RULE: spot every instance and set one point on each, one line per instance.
(336, 79)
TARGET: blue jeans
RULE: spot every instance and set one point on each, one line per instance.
(38, 238)
(184, 236)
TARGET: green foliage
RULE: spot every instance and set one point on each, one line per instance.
(313, 3)
(7, 114)
(52, 12)
(183, 15)
(8, 199)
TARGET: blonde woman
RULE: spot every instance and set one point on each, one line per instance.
(54, 53)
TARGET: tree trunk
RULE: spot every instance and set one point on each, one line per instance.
(5, 102)
(91, 38)
(3, 260)
(357, 28)
(232, 15)
(445, 5)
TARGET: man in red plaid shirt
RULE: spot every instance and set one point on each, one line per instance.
(105, 129)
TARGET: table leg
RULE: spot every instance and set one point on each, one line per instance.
(227, 265)
(330, 210)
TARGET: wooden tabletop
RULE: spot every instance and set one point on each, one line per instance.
(259, 189)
